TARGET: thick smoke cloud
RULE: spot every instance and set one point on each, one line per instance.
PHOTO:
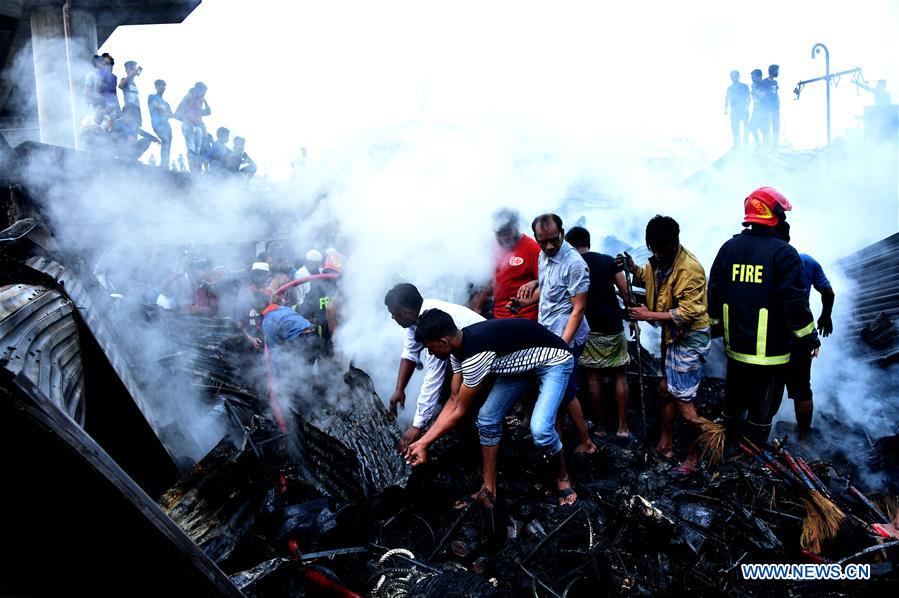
(420, 127)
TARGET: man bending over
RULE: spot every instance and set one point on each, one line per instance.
(518, 352)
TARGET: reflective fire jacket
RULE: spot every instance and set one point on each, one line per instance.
(756, 292)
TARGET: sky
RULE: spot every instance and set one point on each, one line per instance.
(288, 74)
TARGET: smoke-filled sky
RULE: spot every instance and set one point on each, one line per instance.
(293, 73)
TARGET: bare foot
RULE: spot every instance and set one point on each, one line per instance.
(665, 451)
(585, 448)
(623, 433)
(567, 495)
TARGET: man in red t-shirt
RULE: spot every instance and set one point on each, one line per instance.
(516, 264)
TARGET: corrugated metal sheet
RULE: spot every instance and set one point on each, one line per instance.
(875, 270)
(92, 316)
(39, 340)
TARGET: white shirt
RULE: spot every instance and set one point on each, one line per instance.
(300, 291)
(435, 368)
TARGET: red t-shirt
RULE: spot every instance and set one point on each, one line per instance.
(513, 269)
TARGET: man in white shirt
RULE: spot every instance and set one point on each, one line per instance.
(311, 265)
(405, 304)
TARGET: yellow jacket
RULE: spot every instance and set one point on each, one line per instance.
(682, 294)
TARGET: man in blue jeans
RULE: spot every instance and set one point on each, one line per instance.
(517, 352)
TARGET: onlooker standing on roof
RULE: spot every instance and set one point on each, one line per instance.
(736, 103)
(773, 99)
(761, 117)
(190, 112)
(106, 85)
(128, 85)
(92, 82)
(605, 351)
(160, 113)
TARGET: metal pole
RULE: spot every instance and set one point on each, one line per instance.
(816, 49)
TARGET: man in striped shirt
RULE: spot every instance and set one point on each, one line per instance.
(517, 352)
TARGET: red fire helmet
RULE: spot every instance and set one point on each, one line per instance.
(761, 207)
(334, 262)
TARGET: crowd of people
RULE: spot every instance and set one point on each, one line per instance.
(554, 313)
(763, 125)
(114, 128)
(181, 281)
(559, 310)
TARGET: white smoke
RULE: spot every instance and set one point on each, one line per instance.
(422, 124)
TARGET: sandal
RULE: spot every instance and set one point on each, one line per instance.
(483, 496)
(564, 494)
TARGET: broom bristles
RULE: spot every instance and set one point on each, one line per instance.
(710, 440)
(812, 528)
(822, 521)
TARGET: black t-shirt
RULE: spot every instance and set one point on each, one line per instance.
(507, 346)
(603, 312)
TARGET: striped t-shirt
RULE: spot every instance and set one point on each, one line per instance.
(506, 347)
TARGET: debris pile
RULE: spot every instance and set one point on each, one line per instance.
(320, 510)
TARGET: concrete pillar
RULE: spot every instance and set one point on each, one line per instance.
(60, 109)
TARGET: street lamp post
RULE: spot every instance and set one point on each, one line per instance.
(816, 49)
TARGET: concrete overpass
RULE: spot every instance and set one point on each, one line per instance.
(36, 61)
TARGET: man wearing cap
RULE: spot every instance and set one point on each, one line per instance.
(757, 297)
(311, 265)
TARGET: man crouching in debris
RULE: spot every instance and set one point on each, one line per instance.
(287, 333)
(405, 304)
(517, 352)
(676, 295)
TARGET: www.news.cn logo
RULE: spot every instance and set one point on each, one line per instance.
(806, 572)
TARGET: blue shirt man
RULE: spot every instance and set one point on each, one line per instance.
(813, 275)
(799, 378)
(281, 325)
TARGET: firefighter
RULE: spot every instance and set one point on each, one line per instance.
(757, 298)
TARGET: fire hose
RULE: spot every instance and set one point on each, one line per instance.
(302, 280)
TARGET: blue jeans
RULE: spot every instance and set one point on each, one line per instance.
(506, 392)
(573, 385)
